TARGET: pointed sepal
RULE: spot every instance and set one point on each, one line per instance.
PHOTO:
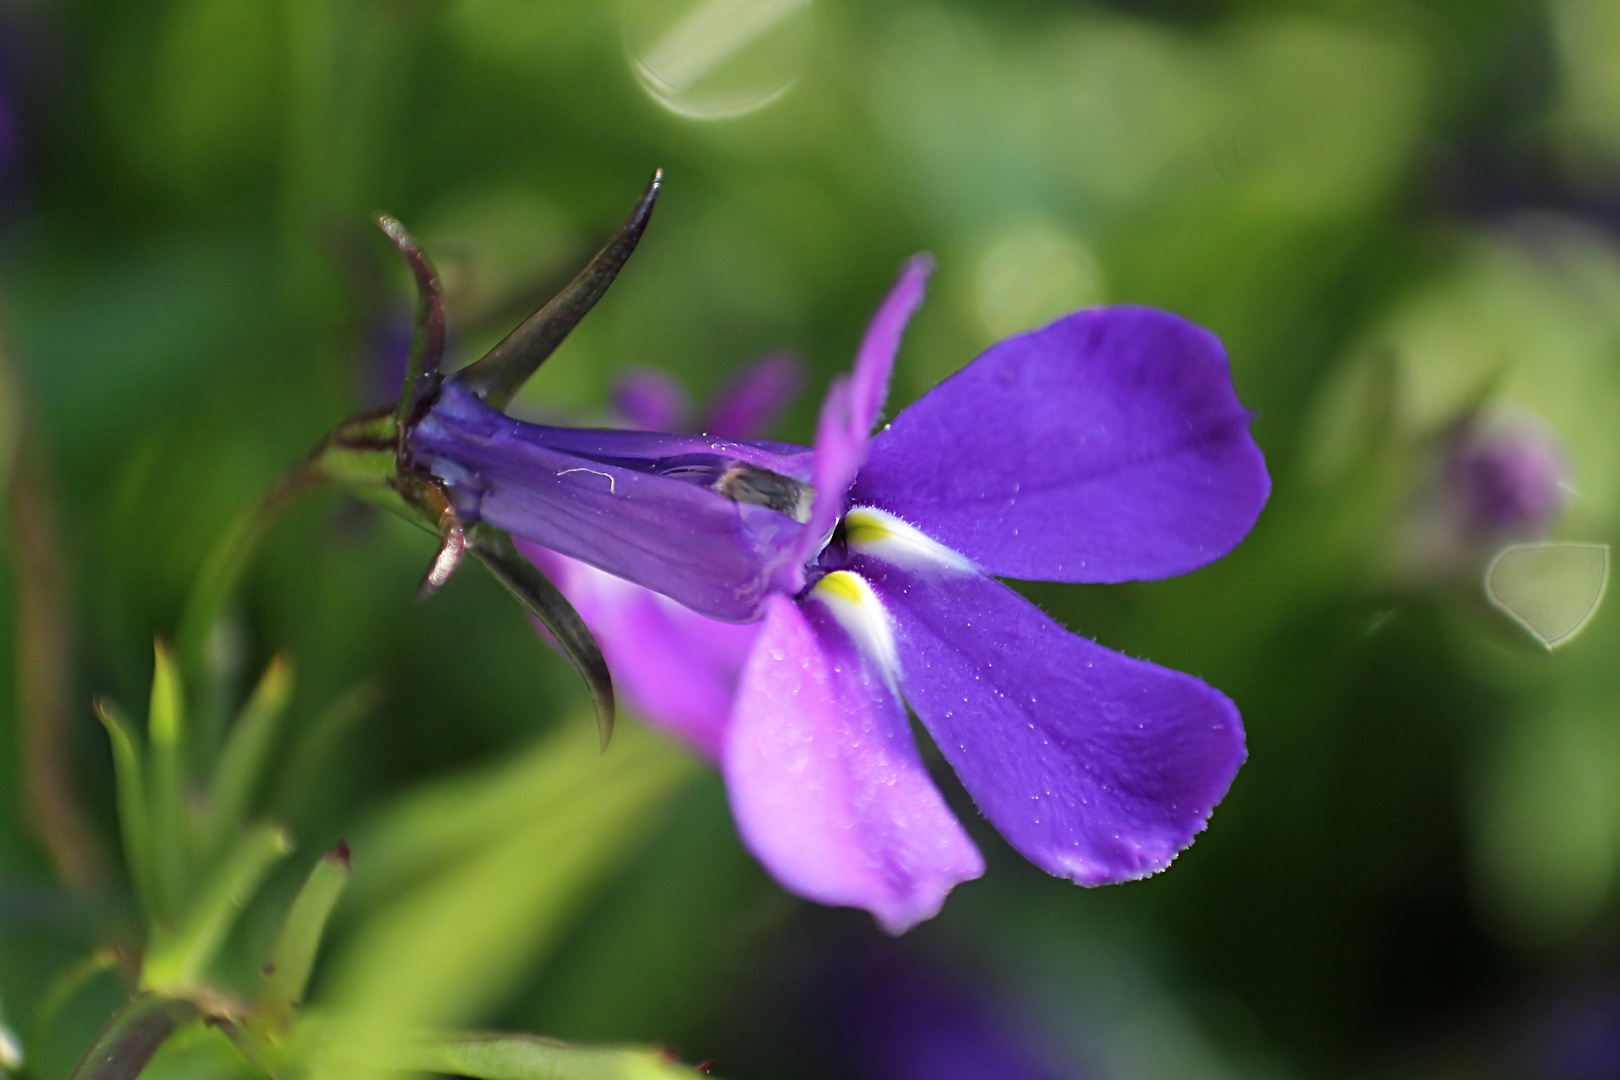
(427, 343)
(504, 369)
(546, 602)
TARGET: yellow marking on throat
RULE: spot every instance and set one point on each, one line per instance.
(862, 528)
(843, 585)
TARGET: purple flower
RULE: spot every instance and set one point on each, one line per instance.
(1491, 484)
(1108, 446)
(1510, 483)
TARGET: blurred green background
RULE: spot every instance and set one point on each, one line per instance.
(1399, 215)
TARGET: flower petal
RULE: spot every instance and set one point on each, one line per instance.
(852, 404)
(751, 402)
(671, 665)
(1095, 766)
(651, 400)
(825, 781)
(1108, 446)
(641, 505)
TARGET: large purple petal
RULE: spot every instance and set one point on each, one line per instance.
(1108, 446)
(825, 781)
(671, 665)
(852, 404)
(1095, 766)
(640, 505)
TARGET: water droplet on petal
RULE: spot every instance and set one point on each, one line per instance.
(716, 59)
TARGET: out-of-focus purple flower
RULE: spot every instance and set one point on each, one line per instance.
(1108, 446)
(1494, 484)
(891, 1014)
(652, 400)
(1510, 482)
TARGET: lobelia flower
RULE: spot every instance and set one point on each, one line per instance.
(1108, 446)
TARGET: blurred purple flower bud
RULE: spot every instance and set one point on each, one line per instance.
(750, 404)
(1511, 482)
(651, 400)
(891, 1014)
(1492, 486)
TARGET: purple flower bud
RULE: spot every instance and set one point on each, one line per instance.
(651, 400)
(1510, 482)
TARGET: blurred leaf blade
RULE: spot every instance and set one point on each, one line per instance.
(292, 958)
(130, 776)
(243, 759)
(498, 1056)
(165, 728)
(449, 946)
(179, 957)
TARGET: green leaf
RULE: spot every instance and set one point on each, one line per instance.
(449, 947)
(502, 371)
(132, 1036)
(130, 775)
(165, 729)
(229, 559)
(545, 601)
(247, 747)
(177, 959)
(66, 986)
(286, 976)
(498, 1056)
(436, 826)
(307, 764)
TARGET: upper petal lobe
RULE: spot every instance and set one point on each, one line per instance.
(1108, 446)
(852, 404)
(1095, 766)
(825, 781)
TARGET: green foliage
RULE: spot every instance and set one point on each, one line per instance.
(1395, 215)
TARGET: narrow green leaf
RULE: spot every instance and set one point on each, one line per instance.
(132, 1036)
(129, 772)
(66, 986)
(545, 601)
(310, 761)
(217, 581)
(166, 789)
(247, 748)
(498, 1056)
(444, 948)
(504, 369)
(286, 976)
(177, 959)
